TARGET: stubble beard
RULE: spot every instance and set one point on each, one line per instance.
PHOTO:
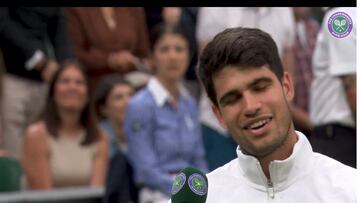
(274, 144)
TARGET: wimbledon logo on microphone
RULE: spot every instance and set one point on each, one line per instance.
(340, 24)
(197, 184)
(179, 182)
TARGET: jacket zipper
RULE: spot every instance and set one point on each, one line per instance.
(271, 192)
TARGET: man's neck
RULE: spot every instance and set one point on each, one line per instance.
(281, 153)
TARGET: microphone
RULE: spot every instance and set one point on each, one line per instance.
(190, 186)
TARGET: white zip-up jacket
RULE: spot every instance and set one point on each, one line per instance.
(304, 177)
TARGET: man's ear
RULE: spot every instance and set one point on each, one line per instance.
(218, 115)
(288, 86)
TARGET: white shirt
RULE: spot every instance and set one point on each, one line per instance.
(278, 22)
(304, 177)
(161, 94)
(333, 57)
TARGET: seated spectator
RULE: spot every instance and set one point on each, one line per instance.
(65, 148)
(109, 40)
(161, 122)
(111, 99)
(186, 18)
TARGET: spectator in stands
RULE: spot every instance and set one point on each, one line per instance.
(108, 39)
(111, 99)
(186, 18)
(305, 38)
(161, 123)
(34, 41)
(66, 147)
(333, 91)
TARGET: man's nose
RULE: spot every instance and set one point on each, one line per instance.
(252, 104)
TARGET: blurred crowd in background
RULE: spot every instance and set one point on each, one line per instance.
(108, 96)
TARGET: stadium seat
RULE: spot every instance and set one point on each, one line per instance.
(10, 174)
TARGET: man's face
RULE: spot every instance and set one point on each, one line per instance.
(253, 106)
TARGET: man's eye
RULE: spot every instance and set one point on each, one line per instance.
(260, 87)
(229, 100)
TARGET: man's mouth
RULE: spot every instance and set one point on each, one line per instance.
(257, 124)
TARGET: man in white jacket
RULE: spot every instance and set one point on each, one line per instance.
(242, 74)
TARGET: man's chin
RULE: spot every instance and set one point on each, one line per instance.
(262, 151)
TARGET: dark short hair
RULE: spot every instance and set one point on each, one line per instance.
(160, 29)
(240, 47)
(104, 88)
(51, 115)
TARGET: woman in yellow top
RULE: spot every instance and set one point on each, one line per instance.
(65, 148)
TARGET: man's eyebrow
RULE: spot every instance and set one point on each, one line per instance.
(259, 80)
(253, 83)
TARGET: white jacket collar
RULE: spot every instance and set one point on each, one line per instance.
(160, 93)
(282, 172)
